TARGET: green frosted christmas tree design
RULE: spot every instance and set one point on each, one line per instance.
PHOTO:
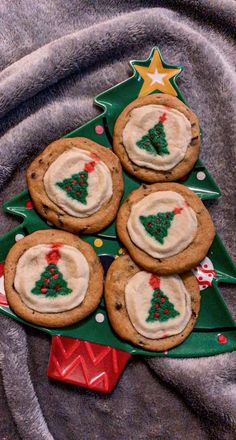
(155, 141)
(161, 308)
(76, 186)
(51, 282)
(157, 225)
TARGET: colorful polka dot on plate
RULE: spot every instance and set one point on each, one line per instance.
(201, 175)
(99, 129)
(99, 318)
(29, 205)
(222, 339)
(98, 242)
(18, 237)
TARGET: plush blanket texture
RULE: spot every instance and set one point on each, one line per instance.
(55, 55)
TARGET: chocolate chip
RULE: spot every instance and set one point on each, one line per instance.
(33, 175)
(118, 306)
(45, 209)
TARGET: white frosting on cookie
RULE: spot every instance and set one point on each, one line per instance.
(178, 135)
(138, 297)
(72, 162)
(72, 265)
(181, 232)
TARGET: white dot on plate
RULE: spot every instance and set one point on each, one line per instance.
(99, 317)
(201, 175)
(19, 237)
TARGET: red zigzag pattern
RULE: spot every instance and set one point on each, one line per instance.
(86, 364)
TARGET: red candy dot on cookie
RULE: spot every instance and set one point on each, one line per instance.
(44, 290)
(68, 188)
(177, 210)
(89, 167)
(51, 270)
(163, 300)
(78, 193)
(57, 287)
(166, 311)
(162, 117)
(157, 306)
(56, 276)
(156, 315)
(74, 182)
(222, 339)
(154, 281)
(46, 280)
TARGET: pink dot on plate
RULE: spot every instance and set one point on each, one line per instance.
(222, 339)
(29, 205)
(99, 129)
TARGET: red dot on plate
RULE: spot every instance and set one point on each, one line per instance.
(222, 339)
(1, 269)
(29, 205)
(205, 265)
(200, 278)
(99, 129)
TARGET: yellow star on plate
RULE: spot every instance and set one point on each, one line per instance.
(157, 77)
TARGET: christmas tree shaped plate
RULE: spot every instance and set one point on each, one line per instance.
(89, 353)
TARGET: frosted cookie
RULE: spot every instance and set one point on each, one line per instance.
(155, 313)
(53, 278)
(165, 227)
(76, 184)
(157, 138)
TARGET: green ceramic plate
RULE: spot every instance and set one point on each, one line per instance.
(215, 331)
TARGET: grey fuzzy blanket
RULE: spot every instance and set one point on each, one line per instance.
(55, 55)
